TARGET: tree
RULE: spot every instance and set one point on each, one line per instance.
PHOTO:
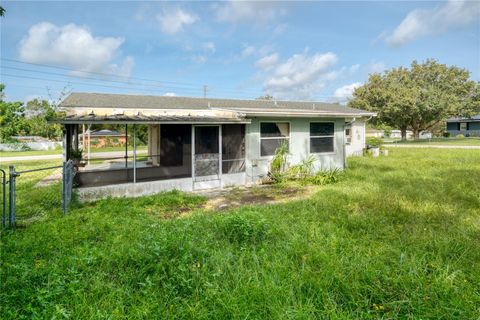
(265, 97)
(33, 118)
(2, 11)
(12, 117)
(419, 97)
(39, 114)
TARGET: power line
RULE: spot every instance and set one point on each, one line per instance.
(96, 79)
(97, 73)
(162, 86)
(78, 83)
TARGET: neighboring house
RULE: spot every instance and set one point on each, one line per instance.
(425, 135)
(200, 143)
(30, 143)
(102, 138)
(374, 133)
(394, 134)
(397, 134)
(469, 127)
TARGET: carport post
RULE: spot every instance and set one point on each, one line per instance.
(126, 147)
(134, 153)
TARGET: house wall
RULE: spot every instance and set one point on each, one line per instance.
(102, 141)
(357, 143)
(258, 166)
(473, 129)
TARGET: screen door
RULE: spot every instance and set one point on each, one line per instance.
(207, 153)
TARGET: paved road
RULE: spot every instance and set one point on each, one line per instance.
(96, 155)
(430, 146)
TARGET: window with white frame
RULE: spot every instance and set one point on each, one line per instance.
(272, 136)
(322, 136)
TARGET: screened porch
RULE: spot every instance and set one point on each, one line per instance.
(209, 154)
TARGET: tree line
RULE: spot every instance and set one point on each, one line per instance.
(418, 98)
(33, 118)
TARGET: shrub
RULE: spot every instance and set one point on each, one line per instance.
(374, 142)
(460, 136)
(324, 177)
(279, 162)
(446, 134)
(76, 154)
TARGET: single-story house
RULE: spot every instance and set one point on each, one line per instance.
(394, 134)
(200, 143)
(102, 138)
(469, 127)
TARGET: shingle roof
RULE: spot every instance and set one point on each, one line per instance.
(150, 119)
(103, 100)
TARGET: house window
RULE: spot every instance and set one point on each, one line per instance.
(272, 136)
(463, 126)
(322, 137)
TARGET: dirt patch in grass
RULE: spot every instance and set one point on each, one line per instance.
(268, 194)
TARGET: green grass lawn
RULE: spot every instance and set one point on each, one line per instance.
(396, 238)
(59, 151)
(444, 141)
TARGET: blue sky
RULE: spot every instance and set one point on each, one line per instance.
(291, 50)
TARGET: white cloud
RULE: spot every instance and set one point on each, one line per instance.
(354, 68)
(301, 76)
(248, 51)
(267, 62)
(377, 67)
(343, 94)
(425, 22)
(280, 29)
(257, 12)
(170, 94)
(209, 47)
(75, 47)
(173, 20)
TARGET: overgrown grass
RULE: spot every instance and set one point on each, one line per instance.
(472, 141)
(34, 200)
(396, 237)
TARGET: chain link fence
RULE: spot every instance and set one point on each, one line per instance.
(36, 190)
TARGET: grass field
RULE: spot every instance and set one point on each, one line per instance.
(396, 238)
(444, 142)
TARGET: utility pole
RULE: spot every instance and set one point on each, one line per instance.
(205, 89)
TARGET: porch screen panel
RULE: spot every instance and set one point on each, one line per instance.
(207, 152)
(233, 148)
(176, 150)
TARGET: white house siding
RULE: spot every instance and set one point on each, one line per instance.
(357, 143)
(258, 166)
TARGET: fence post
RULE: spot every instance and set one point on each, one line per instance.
(12, 198)
(4, 200)
(64, 188)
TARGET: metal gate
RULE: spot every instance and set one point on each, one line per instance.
(33, 193)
